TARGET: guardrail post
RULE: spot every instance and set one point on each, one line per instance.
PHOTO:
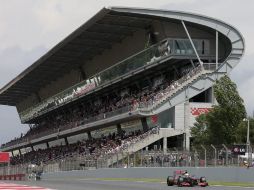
(215, 155)
(195, 157)
(141, 158)
(134, 159)
(205, 154)
(128, 159)
(97, 165)
(177, 162)
(117, 160)
(162, 160)
(8, 170)
(226, 148)
(250, 156)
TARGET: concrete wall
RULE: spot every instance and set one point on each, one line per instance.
(237, 174)
(179, 116)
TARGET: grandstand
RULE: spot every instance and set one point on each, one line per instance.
(126, 80)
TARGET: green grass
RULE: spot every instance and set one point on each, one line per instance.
(240, 184)
(158, 180)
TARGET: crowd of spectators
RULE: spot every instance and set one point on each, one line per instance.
(90, 149)
(131, 98)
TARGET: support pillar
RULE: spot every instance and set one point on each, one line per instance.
(217, 49)
(32, 147)
(144, 124)
(82, 74)
(38, 96)
(47, 143)
(12, 154)
(187, 141)
(20, 152)
(66, 141)
(165, 145)
(89, 135)
(192, 44)
(119, 129)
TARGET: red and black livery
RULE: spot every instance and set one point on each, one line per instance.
(180, 179)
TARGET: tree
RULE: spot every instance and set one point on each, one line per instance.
(199, 131)
(223, 121)
(242, 132)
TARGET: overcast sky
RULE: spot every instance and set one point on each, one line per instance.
(29, 28)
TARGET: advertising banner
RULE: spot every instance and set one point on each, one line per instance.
(239, 149)
(4, 157)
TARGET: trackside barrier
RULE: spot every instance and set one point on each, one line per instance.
(15, 177)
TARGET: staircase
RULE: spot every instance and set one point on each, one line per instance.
(188, 87)
(142, 143)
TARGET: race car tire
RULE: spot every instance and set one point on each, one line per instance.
(180, 181)
(191, 183)
(195, 181)
(170, 181)
(202, 179)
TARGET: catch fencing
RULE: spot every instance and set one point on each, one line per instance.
(202, 156)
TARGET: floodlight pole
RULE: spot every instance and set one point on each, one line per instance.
(217, 49)
(248, 142)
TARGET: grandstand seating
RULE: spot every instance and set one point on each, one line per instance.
(101, 78)
(141, 99)
(89, 148)
(95, 148)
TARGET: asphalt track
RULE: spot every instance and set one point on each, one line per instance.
(93, 184)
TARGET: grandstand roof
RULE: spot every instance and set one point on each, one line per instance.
(89, 40)
(108, 26)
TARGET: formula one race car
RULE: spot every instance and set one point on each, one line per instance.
(181, 178)
(34, 172)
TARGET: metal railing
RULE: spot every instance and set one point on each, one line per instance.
(201, 156)
(147, 106)
(122, 68)
(149, 56)
(155, 158)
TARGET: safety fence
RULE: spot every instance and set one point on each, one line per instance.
(18, 172)
(203, 156)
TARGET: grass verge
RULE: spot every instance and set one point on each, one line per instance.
(240, 184)
(158, 180)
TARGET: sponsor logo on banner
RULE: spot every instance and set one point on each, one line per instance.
(4, 157)
(239, 149)
(154, 119)
(199, 111)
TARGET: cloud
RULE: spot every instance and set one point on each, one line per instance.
(10, 124)
(243, 76)
(14, 60)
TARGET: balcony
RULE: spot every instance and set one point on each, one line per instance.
(158, 53)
